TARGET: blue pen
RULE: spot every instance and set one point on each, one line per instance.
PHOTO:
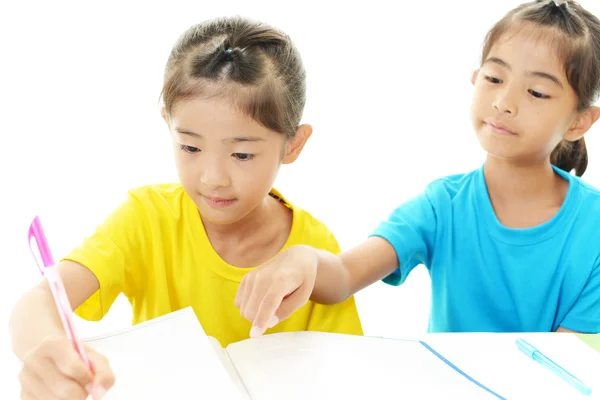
(535, 354)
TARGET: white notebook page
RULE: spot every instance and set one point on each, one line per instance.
(310, 365)
(166, 358)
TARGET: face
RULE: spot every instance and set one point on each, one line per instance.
(226, 161)
(523, 105)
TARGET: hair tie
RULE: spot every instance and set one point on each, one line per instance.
(559, 3)
(228, 55)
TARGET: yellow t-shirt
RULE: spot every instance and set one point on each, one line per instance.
(154, 249)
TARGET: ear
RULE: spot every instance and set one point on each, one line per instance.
(474, 76)
(583, 122)
(164, 115)
(294, 147)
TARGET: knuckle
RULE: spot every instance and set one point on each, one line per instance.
(23, 378)
(69, 390)
(50, 343)
(271, 300)
(29, 361)
(103, 371)
(73, 367)
(99, 359)
(250, 277)
(283, 275)
(256, 275)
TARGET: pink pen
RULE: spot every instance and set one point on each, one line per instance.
(56, 286)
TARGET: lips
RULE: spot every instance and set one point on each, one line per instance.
(499, 128)
(218, 202)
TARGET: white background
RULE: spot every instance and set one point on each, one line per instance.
(388, 96)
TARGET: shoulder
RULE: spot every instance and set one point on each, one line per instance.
(587, 204)
(451, 186)
(590, 196)
(160, 191)
(309, 230)
(158, 200)
(162, 194)
(439, 198)
(314, 232)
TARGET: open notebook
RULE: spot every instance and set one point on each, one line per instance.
(171, 357)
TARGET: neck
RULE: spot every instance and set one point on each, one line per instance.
(507, 181)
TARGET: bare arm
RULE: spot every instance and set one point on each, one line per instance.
(339, 277)
(272, 292)
(565, 330)
(35, 318)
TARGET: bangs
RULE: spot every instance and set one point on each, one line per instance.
(263, 101)
(571, 51)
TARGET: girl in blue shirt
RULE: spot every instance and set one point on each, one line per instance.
(512, 246)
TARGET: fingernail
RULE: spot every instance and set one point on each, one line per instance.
(255, 332)
(98, 392)
(272, 322)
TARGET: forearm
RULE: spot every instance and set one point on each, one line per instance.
(34, 318)
(340, 276)
(332, 281)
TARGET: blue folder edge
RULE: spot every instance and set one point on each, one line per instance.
(454, 367)
(448, 363)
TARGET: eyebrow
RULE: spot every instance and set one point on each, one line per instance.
(538, 74)
(236, 139)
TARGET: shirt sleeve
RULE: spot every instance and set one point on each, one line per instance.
(411, 230)
(114, 253)
(336, 318)
(584, 316)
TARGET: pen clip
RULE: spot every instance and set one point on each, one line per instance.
(37, 232)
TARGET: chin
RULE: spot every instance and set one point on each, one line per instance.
(218, 219)
(221, 216)
(494, 150)
(502, 154)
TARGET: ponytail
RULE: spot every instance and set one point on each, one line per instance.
(238, 63)
(570, 156)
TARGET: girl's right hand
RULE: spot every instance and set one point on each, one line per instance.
(272, 292)
(53, 370)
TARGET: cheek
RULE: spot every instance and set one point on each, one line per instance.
(185, 168)
(261, 175)
(478, 100)
(178, 158)
(546, 122)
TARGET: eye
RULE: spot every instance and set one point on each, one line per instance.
(492, 79)
(243, 156)
(189, 149)
(538, 95)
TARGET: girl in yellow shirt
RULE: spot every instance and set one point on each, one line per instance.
(234, 92)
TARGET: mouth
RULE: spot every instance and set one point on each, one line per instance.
(218, 202)
(499, 128)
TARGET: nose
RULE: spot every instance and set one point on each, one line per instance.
(214, 173)
(506, 101)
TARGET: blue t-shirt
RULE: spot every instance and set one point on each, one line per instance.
(487, 277)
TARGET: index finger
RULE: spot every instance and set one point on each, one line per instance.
(70, 364)
(266, 311)
(103, 374)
